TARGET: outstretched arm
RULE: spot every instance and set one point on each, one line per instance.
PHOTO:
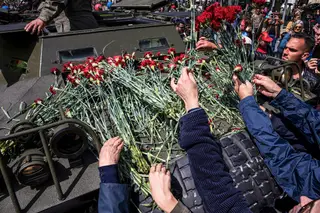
(208, 169)
(113, 196)
(300, 114)
(296, 172)
(210, 174)
(50, 10)
(303, 116)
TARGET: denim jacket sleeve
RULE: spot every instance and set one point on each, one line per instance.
(296, 172)
(300, 114)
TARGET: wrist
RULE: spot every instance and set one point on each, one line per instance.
(170, 204)
(275, 94)
(244, 96)
(191, 105)
(107, 163)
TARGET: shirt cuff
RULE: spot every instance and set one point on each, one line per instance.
(109, 174)
(194, 109)
(245, 102)
(280, 98)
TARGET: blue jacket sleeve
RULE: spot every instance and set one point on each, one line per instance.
(300, 114)
(296, 172)
(208, 169)
(113, 198)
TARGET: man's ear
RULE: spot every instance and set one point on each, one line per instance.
(305, 56)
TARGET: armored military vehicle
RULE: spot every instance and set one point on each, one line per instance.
(25, 65)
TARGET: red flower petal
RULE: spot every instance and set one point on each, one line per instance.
(38, 101)
(55, 71)
(52, 90)
(172, 51)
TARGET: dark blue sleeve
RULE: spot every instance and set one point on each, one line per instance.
(296, 172)
(113, 198)
(300, 114)
(109, 174)
(208, 168)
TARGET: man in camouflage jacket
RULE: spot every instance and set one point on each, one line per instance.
(79, 13)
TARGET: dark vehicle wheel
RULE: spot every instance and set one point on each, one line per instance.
(249, 173)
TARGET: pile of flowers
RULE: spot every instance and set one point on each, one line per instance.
(131, 97)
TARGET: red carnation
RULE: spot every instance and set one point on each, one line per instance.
(176, 59)
(90, 59)
(230, 15)
(100, 58)
(147, 54)
(238, 68)
(172, 51)
(100, 71)
(152, 63)
(197, 26)
(52, 90)
(172, 66)
(211, 7)
(237, 42)
(71, 78)
(55, 71)
(158, 54)
(201, 19)
(166, 58)
(38, 101)
(67, 67)
(161, 67)
(145, 62)
(206, 15)
(118, 58)
(219, 13)
(237, 8)
(216, 25)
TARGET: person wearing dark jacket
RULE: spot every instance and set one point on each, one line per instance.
(296, 172)
(114, 196)
(210, 174)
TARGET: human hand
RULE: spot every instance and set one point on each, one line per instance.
(110, 152)
(186, 88)
(243, 90)
(160, 186)
(34, 26)
(266, 86)
(205, 45)
(313, 63)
